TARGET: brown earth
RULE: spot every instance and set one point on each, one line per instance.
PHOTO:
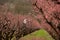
(33, 38)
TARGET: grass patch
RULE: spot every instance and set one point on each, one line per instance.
(38, 34)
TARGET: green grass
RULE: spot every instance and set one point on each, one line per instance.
(38, 34)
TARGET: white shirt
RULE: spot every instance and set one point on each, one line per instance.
(25, 21)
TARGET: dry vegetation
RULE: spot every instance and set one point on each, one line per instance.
(48, 11)
(46, 15)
